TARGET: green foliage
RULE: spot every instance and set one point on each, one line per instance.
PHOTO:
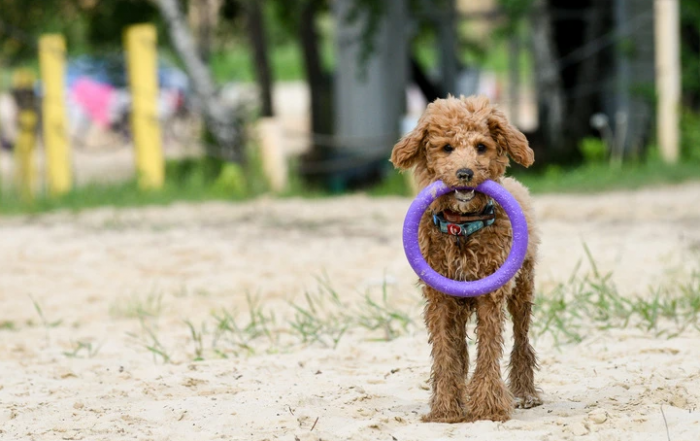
(21, 21)
(105, 23)
(202, 179)
(231, 180)
(588, 178)
(690, 52)
(288, 14)
(87, 26)
(591, 178)
(593, 150)
(395, 184)
(690, 136)
(372, 13)
(516, 11)
(234, 63)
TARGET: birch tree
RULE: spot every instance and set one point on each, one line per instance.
(217, 116)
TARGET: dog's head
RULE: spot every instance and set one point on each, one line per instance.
(463, 142)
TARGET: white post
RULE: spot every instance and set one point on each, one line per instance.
(668, 76)
(273, 158)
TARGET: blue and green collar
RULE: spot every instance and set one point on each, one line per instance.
(466, 229)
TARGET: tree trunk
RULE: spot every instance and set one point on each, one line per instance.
(256, 33)
(447, 45)
(430, 91)
(583, 104)
(201, 15)
(319, 82)
(550, 93)
(514, 79)
(205, 31)
(217, 117)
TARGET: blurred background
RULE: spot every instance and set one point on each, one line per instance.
(146, 101)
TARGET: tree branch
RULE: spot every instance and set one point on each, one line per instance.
(216, 115)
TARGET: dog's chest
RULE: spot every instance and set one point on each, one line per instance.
(466, 258)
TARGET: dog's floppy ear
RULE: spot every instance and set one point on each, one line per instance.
(408, 150)
(510, 139)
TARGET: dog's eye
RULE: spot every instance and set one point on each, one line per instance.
(448, 148)
(480, 148)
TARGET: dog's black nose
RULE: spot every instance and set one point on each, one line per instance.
(465, 174)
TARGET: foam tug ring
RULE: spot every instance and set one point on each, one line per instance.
(460, 288)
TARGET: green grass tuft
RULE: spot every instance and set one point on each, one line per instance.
(234, 336)
(567, 313)
(82, 349)
(45, 322)
(150, 306)
(321, 319)
(577, 309)
(383, 315)
(149, 340)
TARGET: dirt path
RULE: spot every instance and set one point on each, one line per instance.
(108, 281)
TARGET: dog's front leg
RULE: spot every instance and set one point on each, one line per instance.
(523, 361)
(489, 398)
(446, 319)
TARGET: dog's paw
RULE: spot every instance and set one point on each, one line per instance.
(489, 399)
(479, 415)
(444, 417)
(527, 402)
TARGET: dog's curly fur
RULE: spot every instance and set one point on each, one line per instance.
(466, 126)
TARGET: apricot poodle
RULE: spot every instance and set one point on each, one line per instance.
(466, 236)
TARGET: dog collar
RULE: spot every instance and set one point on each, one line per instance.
(465, 228)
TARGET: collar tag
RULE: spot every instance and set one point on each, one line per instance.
(465, 228)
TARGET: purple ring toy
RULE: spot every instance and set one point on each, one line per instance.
(454, 287)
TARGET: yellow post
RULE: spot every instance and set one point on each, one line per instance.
(25, 169)
(141, 53)
(52, 55)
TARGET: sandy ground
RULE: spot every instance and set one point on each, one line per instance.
(105, 278)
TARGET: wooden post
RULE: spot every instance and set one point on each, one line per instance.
(142, 61)
(25, 168)
(273, 159)
(668, 76)
(52, 64)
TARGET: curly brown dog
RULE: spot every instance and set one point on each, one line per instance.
(463, 142)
